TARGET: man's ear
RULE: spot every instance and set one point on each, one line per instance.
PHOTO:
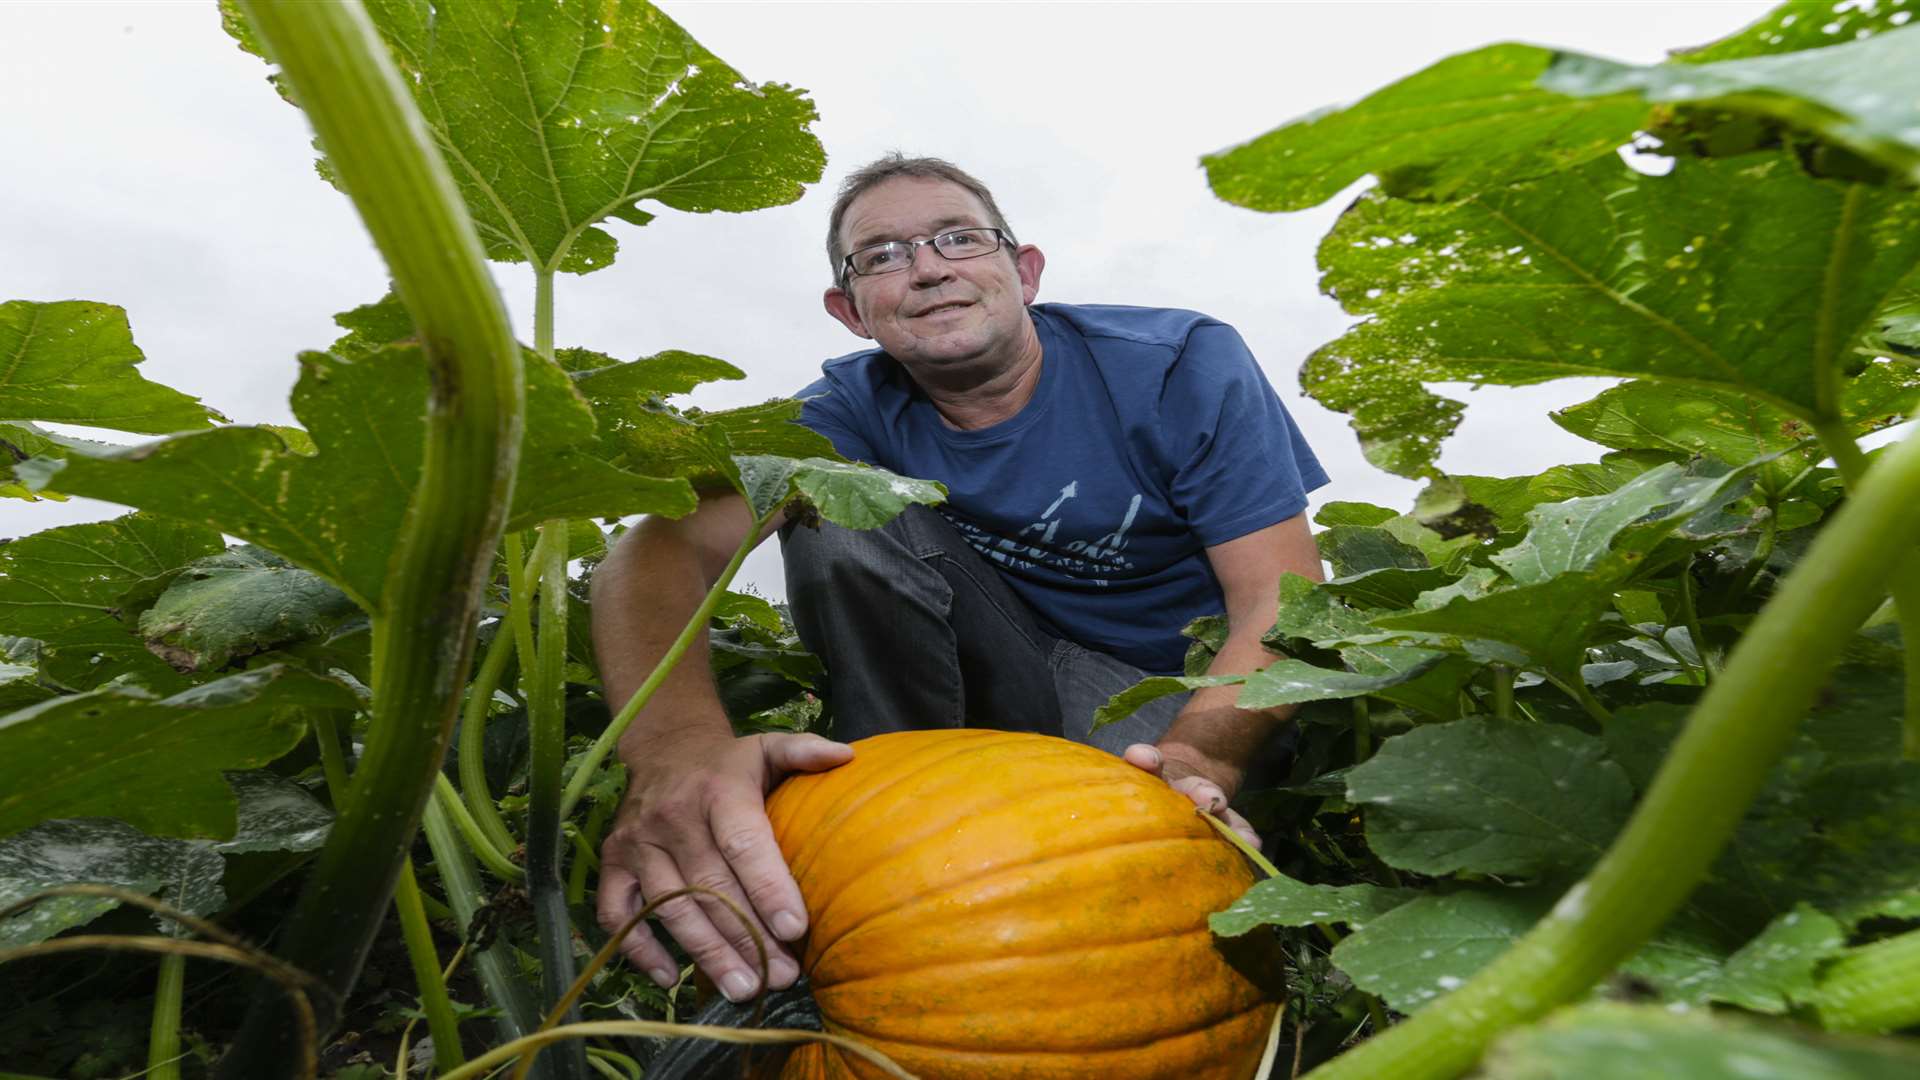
(1029, 262)
(840, 305)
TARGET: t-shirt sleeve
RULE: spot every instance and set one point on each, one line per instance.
(1239, 463)
(828, 415)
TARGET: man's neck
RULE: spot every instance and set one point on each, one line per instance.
(996, 399)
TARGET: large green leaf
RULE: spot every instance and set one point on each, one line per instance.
(1527, 800)
(554, 117)
(1862, 94)
(337, 512)
(1741, 273)
(100, 851)
(1577, 534)
(72, 361)
(1421, 950)
(1730, 426)
(1779, 967)
(855, 496)
(76, 588)
(1282, 901)
(1623, 1042)
(1795, 25)
(237, 603)
(1470, 121)
(1545, 626)
(154, 763)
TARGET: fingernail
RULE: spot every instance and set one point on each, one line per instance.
(1155, 755)
(788, 926)
(738, 986)
(665, 977)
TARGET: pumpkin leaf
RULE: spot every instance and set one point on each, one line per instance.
(1359, 549)
(1282, 901)
(152, 762)
(1575, 534)
(1864, 94)
(1777, 968)
(274, 814)
(73, 587)
(237, 603)
(1602, 270)
(72, 361)
(1790, 27)
(1526, 800)
(1545, 626)
(1470, 121)
(1430, 946)
(553, 118)
(1616, 1042)
(100, 851)
(861, 496)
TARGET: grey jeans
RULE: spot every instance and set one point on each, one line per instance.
(917, 630)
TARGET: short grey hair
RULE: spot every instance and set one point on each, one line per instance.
(895, 166)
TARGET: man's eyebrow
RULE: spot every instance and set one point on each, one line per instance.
(939, 225)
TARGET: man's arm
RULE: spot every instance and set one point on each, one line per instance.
(694, 811)
(1205, 752)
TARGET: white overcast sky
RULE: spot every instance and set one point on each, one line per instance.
(145, 162)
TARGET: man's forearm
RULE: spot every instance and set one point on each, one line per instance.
(1213, 736)
(643, 595)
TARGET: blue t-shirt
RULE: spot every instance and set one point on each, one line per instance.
(1151, 435)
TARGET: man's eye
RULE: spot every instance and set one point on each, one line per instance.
(961, 240)
(878, 257)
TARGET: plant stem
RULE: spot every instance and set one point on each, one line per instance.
(491, 857)
(1905, 583)
(1738, 730)
(382, 154)
(1503, 691)
(697, 625)
(447, 1053)
(1708, 671)
(499, 974)
(587, 841)
(547, 718)
(473, 743)
(163, 1037)
(333, 761)
(1873, 988)
(1577, 689)
(1362, 730)
(543, 312)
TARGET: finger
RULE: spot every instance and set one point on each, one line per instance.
(724, 947)
(688, 920)
(1205, 794)
(785, 753)
(615, 902)
(1144, 756)
(745, 840)
(1244, 827)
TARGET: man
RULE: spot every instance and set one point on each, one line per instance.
(1112, 473)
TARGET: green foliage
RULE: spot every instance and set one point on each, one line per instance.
(73, 362)
(240, 602)
(1621, 1042)
(554, 118)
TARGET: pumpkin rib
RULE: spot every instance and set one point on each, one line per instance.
(933, 896)
(1079, 947)
(841, 1027)
(904, 843)
(851, 801)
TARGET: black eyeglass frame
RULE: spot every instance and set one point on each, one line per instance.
(848, 273)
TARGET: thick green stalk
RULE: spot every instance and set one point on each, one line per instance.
(1503, 691)
(1739, 729)
(1362, 730)
(382, 154)
(447, 1052)
(163, 1037)
(1904, 584)
(1873, 988)
(602, 746)
(473, 743)
(586, 843)
(494, 965)
(1692, 618)
(547, 719)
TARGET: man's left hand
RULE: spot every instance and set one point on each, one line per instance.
(1188, 779)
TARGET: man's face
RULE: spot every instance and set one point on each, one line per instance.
(937, 315)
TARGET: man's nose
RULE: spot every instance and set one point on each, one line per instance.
(928, 266)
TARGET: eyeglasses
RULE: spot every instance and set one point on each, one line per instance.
(896, 255)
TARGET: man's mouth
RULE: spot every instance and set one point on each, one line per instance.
(955, 305)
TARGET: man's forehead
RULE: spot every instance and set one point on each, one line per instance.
(908, 204)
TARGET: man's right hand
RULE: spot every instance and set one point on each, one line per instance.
(695, 814)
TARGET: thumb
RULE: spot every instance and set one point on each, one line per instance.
(788, 753)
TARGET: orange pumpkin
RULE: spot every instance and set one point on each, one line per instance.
(991, 905)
